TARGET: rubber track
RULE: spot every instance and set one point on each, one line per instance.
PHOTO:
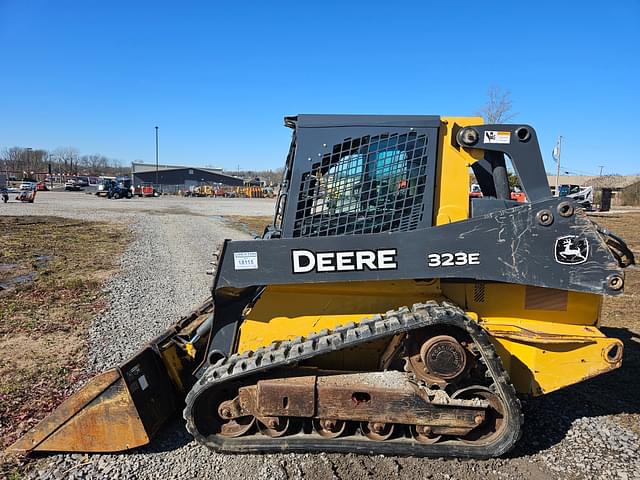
(285, 353)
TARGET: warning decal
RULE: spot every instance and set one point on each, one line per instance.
(494, 136)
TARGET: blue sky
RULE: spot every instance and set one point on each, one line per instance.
(217, 77)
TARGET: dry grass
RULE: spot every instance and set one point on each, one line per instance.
(43, 321)
(624, 311)
(621, 318)
(253, 225)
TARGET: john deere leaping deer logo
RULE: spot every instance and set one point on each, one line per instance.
(571, 250)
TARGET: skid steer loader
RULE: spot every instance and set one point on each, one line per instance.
(383, 312)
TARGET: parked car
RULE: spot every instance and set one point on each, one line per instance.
(145, 190)
(105, 186)
(518, 196)
(475, 191)
(28, 186)
(72, 185)
(82, 181)
(121, 188)
(42, 186)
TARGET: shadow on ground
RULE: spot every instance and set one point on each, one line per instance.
(549, 418)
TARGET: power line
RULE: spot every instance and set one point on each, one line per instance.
(580, 172)
(569, 168)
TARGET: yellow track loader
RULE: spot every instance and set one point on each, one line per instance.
(383, 311)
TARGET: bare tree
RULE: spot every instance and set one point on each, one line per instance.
(498, 108)
(12, 158)
(24, 162)
(115, 164)
(94, 164)
(68, 156)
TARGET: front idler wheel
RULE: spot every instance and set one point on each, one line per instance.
(494, 422)
(214, 415)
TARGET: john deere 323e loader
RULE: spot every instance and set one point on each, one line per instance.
(383, 312)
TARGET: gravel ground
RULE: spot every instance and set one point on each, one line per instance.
(567, 434)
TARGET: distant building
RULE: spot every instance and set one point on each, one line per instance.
(615, 182)
(147, 167)
(172, 178)
(630, 195)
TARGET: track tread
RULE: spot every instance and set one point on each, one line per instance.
(285, 353)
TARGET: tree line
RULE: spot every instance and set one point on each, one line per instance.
(271, 177)
(20, 162)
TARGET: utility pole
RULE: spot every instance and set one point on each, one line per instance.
(28, 163)
(557, 158)
(157, 186)
(601, 167)
(50, 171)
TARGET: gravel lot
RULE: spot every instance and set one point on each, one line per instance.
(568, 434)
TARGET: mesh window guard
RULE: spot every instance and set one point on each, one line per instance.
(369, 184)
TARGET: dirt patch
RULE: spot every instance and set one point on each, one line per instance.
(253, 225)
(624, 310)
(621, 318)
(51, 278)
(170, 210)
(48, 349)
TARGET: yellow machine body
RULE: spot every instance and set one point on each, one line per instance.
(547, 338)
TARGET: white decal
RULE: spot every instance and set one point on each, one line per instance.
(305, 261)
(143, 382)
(452, 259)
(387, 259)
(495, 136)
(344, 261)
(571, 250)
(245, 260)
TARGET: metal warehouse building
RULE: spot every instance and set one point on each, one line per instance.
(172, 178)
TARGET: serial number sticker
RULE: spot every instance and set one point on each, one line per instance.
(245, 260)
(496, 136)
(457, 259)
